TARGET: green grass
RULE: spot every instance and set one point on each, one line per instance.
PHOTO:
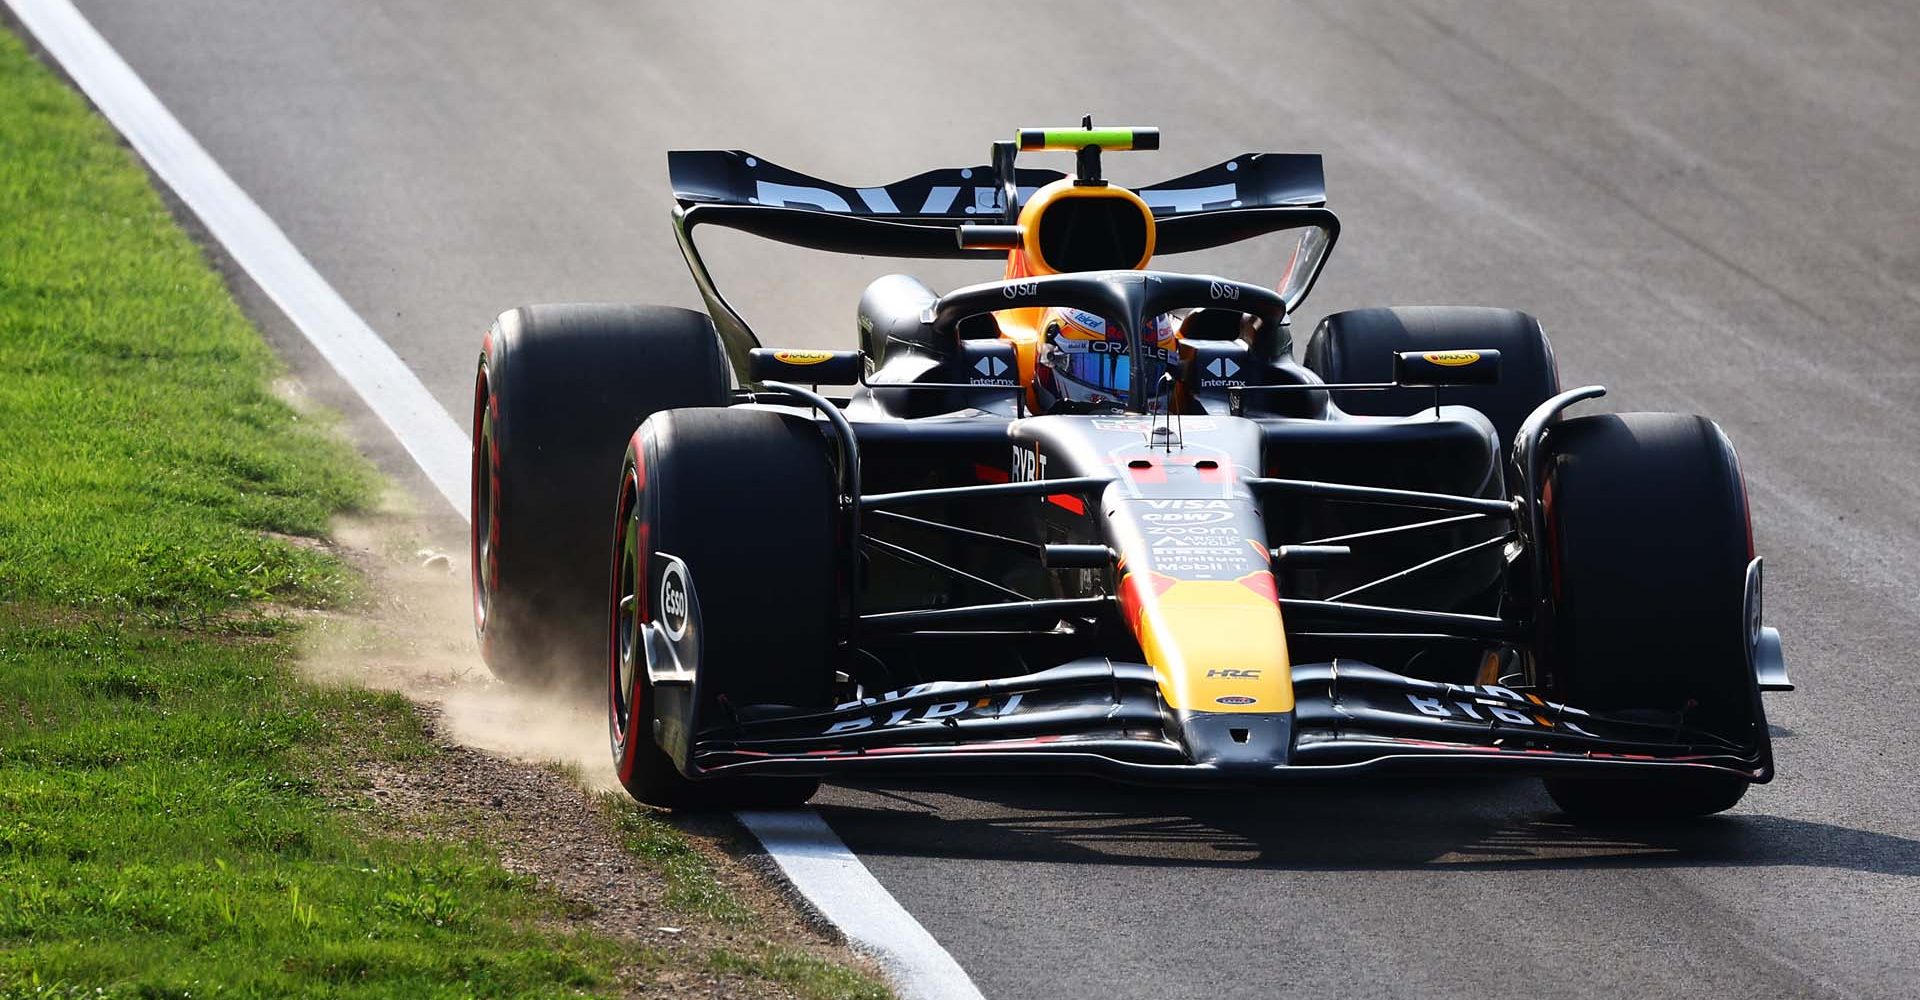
(173, 813)
(165, 827)
(163, 831)
(144, 452)
(692, 888)
(805, 975)
(162, 834)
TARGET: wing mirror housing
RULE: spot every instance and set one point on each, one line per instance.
(781, 364)
(1437, 368)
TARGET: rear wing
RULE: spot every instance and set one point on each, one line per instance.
(1251, 195)
(976, 194)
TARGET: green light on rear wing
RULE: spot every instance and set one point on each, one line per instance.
(1073, 139)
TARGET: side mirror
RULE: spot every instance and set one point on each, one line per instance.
(1436, 368)
(809, 367)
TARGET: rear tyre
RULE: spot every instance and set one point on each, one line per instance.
(1648, 544)
(558, 391)
(1358, 346)
(748, 501)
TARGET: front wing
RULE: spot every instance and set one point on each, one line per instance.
(1105, 718)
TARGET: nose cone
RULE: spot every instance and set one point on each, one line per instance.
(1218, 645)
(1196, 585)
(1238, 741)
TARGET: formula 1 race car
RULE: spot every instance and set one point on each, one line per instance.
(1094, 518)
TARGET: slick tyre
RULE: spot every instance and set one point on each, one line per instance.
(558, 391)
(747, 501)
(1648, 544)
(1358, 346)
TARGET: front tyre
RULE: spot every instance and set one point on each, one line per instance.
(1648, 543)
(747, 501)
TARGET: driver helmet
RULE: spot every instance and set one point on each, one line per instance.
(1085, 365)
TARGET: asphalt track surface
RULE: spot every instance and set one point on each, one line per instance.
(1713, 206)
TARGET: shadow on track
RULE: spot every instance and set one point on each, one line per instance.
(1377, 825)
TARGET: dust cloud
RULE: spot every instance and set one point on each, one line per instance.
(413, 633)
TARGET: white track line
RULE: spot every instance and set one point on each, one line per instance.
(845, 892)
(821, 867)
(435, 441)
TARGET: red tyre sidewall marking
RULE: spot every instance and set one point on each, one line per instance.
(494, 495)
(486, 409)
(633, 496)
